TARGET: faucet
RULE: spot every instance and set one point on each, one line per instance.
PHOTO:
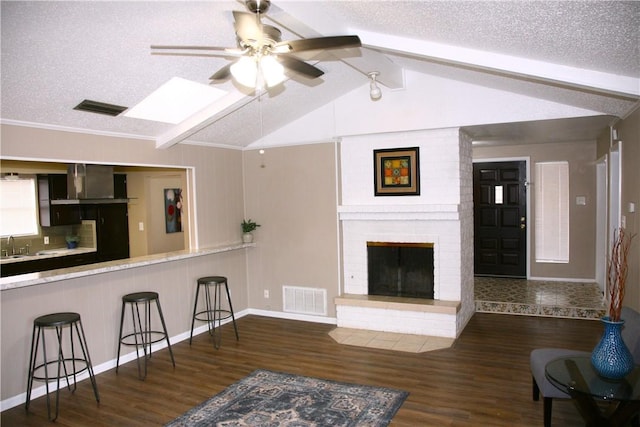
(11, 241)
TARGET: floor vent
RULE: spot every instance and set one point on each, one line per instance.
(304, 300)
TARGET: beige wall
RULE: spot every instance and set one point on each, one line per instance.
(293, 197)
(629, 133)
(582, 179)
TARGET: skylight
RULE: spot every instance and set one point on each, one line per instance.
(175, 101)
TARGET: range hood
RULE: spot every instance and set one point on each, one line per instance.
(89, 184)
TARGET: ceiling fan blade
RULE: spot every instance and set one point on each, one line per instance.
(223, 73)
(331, 42)
(168, 47)
(299, 66)
(206, 55)
(247, 25)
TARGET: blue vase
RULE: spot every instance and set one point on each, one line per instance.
(611, 358)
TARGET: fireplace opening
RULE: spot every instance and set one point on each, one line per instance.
(400, 269)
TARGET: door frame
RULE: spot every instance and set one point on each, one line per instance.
(602, 221)
(527, 166)
(615, 196)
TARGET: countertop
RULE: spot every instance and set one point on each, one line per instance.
(32, 279)
(49, 253)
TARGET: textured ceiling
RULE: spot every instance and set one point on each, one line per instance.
(55, 54)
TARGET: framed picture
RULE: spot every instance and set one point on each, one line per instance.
(397, 172)
(173, 209)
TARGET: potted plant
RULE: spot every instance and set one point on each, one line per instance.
(611, 358)
(247, 227)
(72, 241)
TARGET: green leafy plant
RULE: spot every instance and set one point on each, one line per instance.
(71, 238)
(248, 226)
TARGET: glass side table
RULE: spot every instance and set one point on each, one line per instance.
(575, 376)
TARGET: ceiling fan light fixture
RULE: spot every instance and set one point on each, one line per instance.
(256, 73)
(374, 90)
(272, 71)
(245, 71)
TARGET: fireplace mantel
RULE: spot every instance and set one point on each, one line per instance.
(399, 212)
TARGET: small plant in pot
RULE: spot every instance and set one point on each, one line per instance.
(247, 227)
(72, 241)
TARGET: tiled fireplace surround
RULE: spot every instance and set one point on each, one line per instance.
(445, 166)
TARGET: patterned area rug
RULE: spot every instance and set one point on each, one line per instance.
(266, 398)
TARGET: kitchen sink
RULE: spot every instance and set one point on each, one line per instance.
(18, 256)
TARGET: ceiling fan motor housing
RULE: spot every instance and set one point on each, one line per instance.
(258, 6)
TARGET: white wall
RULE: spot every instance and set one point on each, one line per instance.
(427, 102)
(441, 214)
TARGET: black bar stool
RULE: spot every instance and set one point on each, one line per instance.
(213, 312)
(72, 366)
(143, 336)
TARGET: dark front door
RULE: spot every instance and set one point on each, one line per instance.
(499, 209)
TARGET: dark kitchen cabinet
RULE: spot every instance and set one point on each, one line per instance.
(46, 264)
(54, 187)
(112, 230)
(57, 186)
(119, 186)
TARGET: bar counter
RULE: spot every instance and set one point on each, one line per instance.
(95, 292)
(32, 279)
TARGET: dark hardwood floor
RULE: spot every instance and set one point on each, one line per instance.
(483, 380)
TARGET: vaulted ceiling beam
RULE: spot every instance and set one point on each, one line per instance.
(598, 81)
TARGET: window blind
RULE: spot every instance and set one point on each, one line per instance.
(18, 207)
(552, 212)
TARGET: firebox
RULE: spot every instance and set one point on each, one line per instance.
(400, 269)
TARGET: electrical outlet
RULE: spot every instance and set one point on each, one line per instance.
(141, 226)
(266, 293)
(46, 240)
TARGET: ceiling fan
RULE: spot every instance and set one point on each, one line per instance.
(262, 57)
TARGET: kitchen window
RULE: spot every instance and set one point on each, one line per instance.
(18, 206)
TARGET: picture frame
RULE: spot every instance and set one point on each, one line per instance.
(397, 171)
(173, 210)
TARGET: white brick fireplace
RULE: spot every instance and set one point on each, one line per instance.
(441, 215)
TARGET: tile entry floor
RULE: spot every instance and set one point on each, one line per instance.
(539, 298)
(495, 295)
